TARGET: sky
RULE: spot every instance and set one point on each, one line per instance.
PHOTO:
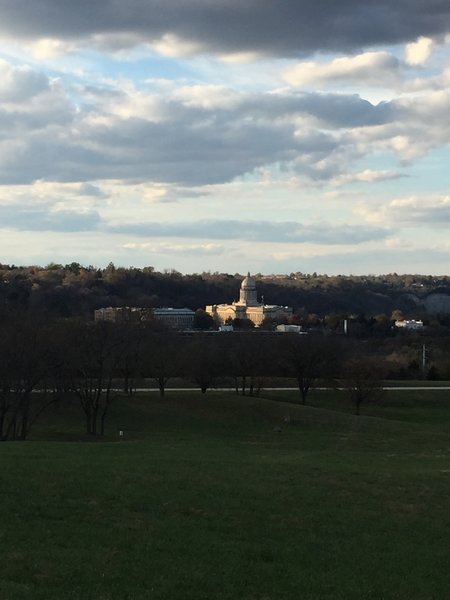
(222, 135)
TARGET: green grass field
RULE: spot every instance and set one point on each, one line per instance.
(206, 498)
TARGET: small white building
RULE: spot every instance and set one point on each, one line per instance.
(409, 324)
(289, 328)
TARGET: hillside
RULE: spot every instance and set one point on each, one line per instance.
(217, 497)
(76, 290)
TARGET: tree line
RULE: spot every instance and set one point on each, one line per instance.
(44, 360)
(76, 290)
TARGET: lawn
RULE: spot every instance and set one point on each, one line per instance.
(217, 497)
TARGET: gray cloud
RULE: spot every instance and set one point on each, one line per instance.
(43, 219)
(201, 135)
(192, 145)
(335, 110)
(87, 189)
(20, 83)
(285, 28)
(261, 231)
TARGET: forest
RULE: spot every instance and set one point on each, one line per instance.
(74, 290)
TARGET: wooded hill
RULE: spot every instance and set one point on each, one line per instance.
(75, 290)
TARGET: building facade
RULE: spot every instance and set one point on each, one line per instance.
(175, 318)
(247, 307)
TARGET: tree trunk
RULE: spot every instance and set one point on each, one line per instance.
(126, 384)
(102, 421)
(88, 421)
(94, 421)
(24, 421)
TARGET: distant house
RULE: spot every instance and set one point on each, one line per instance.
(409, 324)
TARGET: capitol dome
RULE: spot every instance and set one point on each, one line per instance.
(248, 283)
(248, 307)
(248, 293)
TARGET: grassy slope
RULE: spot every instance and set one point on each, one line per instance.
(205, 500)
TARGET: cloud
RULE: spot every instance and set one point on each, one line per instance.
(227, 26)
(20, 83)
(46, 219)
(172, 45)
(366, 176)
(208, 97)
(196, 249)
(417, 53)
(87, 189)
(257, 231)
(418, 259)
(370, 68)
(200, 135)
(47, 48)
(409, 211)
(52, 207)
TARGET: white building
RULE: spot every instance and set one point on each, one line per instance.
(289, 329)
(409, 324)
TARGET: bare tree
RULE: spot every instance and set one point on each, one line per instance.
(92, 359)
(307, 358)
(200, 361)
(160, 356)
(130, 346)
(363, 380)
(24, 364)
(249, 359)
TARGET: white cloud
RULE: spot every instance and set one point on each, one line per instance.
(208, 97)
(48, 48)
(370, 68)
(409, 211)
(366, 176)
(418, 53)
(166, 248)
(238, 58)
(171, 45)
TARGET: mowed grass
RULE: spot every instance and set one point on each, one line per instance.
(217, 497)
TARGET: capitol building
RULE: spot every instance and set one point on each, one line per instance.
(248, 307)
